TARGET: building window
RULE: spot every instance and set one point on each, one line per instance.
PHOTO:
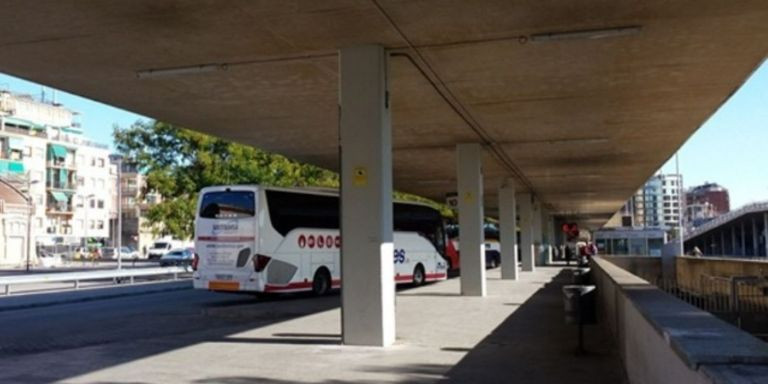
(92, 204)
(101, 204)
(80, 201)
(91, 224)
(100, 224)
(101, 163)
(80, 181)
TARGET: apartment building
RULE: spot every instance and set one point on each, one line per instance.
(136, 200)
(44, 153)
(657, 204)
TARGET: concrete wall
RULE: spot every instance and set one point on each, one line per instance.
(689, 269)
(661, 339)
(646, 267)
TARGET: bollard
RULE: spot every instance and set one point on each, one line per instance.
(133, 280)
(77, 284)
(7, 290)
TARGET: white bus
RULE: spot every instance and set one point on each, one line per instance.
(264, 239)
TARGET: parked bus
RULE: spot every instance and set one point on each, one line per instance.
(264, 239)
(491, 246)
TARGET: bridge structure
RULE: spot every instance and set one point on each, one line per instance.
(550, 111)
(739, 233)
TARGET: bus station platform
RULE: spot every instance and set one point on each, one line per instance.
(516, 334)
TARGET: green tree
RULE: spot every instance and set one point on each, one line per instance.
(179, 162)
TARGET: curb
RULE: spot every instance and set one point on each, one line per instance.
(85, 295)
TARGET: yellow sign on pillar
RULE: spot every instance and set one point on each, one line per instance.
(360, 175)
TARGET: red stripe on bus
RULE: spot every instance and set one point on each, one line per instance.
(276, 288)
(226, 238)
(436, 275)
(337, 282)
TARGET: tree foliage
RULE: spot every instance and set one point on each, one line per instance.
(179, 162)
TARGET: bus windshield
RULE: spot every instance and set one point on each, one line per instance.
(227, 205)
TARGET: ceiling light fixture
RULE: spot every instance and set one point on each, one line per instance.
(180, 71)
(579, 140)
(587, 34)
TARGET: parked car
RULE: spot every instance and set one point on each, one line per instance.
(178, 256)
(125, 253)
(162, 246)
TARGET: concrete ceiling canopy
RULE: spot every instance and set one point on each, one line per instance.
(579, 101)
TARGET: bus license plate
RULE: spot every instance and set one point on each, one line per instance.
(223, 277)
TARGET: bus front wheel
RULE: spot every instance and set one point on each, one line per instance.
(418, 275)
(321, 283)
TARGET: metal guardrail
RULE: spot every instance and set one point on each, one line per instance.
(76, 277)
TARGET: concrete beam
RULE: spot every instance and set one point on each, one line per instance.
(367, 269)
(508, 231)
(472, 235)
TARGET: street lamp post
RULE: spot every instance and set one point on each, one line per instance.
(118, 160)
(30, 214)
(86, 224)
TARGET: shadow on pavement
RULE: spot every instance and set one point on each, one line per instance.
(533, 345)
(63, 342)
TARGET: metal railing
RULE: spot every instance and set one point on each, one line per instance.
(724, 218)
(116, 275)
(741, 300)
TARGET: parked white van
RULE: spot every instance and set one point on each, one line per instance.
(164, 245)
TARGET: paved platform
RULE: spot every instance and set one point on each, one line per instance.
(515, 335)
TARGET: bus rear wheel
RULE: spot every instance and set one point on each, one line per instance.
(418, 275)
(321, 283)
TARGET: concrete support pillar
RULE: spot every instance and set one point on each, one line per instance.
(743, 240)
(765, 233)
(550, 237)
(471, 234)
(367, 269)
(508, 231)
(755, 251)
(538, 232)
(722, 242)
(525, 207)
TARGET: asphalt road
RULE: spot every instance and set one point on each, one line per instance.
(174, 319)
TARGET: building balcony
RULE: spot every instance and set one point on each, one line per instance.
(68, 186)
(55, 209)
(11, 166)
(25, 131)
(70, 165)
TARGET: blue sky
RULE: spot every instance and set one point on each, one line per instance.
(731, 148)
(97, 119)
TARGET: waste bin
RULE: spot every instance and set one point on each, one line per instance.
(579, 303)
(581, 276)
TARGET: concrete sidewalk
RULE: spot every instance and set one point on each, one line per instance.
(515, 335)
